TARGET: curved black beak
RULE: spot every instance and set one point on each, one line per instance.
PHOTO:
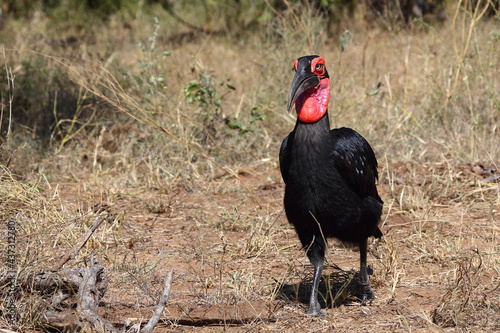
(302, 81)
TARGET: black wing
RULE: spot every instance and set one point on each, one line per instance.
(284, 161)
(355, 160)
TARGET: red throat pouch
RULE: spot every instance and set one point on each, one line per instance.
(313, 103)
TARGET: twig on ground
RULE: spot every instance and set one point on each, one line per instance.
(89, 296)
(161, 304)
(83, 240)
(61, 321)
(49, 282)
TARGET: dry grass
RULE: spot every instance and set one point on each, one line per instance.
(192, 193)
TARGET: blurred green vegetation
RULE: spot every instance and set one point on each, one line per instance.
(214, 72)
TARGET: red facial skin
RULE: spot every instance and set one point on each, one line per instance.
(312, 104)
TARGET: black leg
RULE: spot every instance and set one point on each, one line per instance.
(316, 254)
(363, 274)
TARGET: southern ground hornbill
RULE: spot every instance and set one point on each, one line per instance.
(329, 177)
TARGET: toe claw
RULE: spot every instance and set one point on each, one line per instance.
(367, 294)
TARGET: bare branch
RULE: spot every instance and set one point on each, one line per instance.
(61, 321)
(89, 296)
(83, 240)
(161, 304)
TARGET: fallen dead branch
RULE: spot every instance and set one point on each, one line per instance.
(89, 296)
(159, 308)
(88, 284)
(83, 240)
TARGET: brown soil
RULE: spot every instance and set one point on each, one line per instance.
(239, 267)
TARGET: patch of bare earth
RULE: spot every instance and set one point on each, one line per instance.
(238, 264)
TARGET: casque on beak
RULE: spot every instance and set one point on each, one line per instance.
(302, 81)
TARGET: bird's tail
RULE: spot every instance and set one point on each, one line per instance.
(377, 233)
(371, 216)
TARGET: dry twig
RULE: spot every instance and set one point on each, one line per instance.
(89, 296)
(83, 240)
(160, 307)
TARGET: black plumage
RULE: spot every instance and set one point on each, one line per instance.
(330, 181)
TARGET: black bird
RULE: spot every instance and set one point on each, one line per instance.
(329, 177)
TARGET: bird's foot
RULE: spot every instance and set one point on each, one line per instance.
(367, 293)
(315, 311)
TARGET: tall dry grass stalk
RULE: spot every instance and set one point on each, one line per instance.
(10, 83)
(461, 45)
(100, 82)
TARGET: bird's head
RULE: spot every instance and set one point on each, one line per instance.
(310, 89)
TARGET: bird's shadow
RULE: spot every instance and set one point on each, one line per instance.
(336, 287)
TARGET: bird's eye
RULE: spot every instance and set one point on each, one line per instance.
(319, 67)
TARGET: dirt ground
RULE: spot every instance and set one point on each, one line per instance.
(139, 114)
(238, 265)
